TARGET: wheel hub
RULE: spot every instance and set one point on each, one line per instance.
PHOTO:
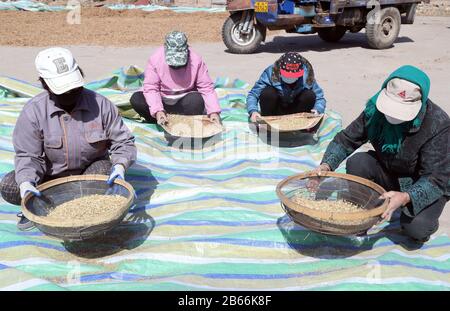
(387, 26)
(241, 38)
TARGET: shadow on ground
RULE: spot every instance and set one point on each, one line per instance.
(305, 43)
(127, 235)
(318, 245)
(285, 140)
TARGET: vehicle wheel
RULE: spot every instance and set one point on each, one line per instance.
(382, 29)
(333, 34)
(236, 41)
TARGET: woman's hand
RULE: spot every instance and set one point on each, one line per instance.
(396, 200)
(313, 183)
(254, 117)
(161, 118)
(118, 171)
(214, 117)
(324, 167)
(26, 187)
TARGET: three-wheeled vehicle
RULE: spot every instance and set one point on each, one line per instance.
(246, 27)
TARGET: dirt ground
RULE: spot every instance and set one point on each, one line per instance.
(101, 26)
(105, 27)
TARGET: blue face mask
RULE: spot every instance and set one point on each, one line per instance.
(289, 80)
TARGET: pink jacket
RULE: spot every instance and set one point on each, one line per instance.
(163, 81)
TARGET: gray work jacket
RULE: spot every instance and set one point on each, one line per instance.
(49, 141)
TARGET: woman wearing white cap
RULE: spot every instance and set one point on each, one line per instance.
(65, 130)
(411, 160)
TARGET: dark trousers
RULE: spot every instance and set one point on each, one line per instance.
(191, 104)
(10, 190)
(271, 103)
(420, 227)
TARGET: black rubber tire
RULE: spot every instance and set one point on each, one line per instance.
(410, 14)
(333, 34)
(374, 31)
(234, 47)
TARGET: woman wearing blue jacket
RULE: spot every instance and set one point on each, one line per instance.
(288, 86)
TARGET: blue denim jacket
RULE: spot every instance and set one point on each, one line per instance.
(266, 80)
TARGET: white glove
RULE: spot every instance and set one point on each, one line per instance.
(28, 187)
(117, 172)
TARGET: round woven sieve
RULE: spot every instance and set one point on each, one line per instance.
(62, 190)
(327, 191)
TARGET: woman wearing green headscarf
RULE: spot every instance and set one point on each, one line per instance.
(411, 157)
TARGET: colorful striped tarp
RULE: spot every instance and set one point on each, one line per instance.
(29, 5)
(208, 219)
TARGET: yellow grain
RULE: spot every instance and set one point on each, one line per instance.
(291, 122)
(88, 208)
(332, 206)
(191, 126)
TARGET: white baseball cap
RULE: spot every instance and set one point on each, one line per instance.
(400, 99)
(59, 70)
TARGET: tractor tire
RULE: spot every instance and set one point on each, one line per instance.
(382, 29)
(333, 34)
(410, 14)
(238, 43)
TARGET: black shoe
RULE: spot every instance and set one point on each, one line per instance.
(24, 224)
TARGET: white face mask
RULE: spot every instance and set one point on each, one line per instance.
(393, 121)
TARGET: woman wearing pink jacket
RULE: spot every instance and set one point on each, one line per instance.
(177, 82)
